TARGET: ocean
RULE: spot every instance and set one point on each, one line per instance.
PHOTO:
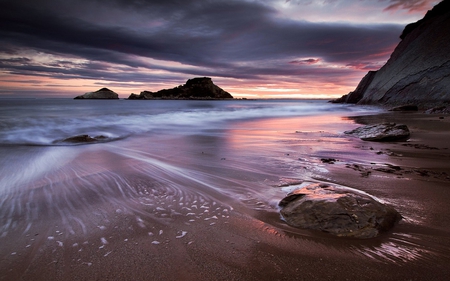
(165, 169)
(43, 121)
(228, 151)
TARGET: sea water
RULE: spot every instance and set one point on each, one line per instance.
(42, 121)
(166, 170)
(165, 165)
(196, 153)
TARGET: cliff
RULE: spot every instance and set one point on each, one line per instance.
(103, 93)
(418, 71)
(196, 88)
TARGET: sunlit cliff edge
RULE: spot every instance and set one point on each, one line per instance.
(418, 71)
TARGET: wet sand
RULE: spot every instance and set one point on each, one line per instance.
(145, 227)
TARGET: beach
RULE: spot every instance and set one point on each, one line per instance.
(170, 200)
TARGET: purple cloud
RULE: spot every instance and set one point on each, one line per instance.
(138, 41)
(410, 5)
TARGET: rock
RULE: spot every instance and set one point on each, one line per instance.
(337, 210)
(381, 132)
(418, 71)
(103, 93)
(196, 88)
(328, 160)
(357, 94)
(438, 110)
(342, 99)
(133, 97)
(83, 139)
(408, 107)
(144, 95)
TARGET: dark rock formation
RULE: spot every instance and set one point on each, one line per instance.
(103, 93)
(381, 132)
(82, 139)
(357, 94)
(337, 210)
(196, 88)
(438, 110)
(418, 71)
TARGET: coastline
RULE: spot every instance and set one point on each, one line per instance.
(233, 244)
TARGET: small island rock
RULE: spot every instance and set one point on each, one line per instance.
(196, 88)
(340, 211)
(103, 93)
(381, 132)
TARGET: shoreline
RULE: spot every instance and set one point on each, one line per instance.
(243, 244)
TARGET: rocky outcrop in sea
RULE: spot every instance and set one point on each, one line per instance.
(196, 88)
(103, 93)
(418, 71)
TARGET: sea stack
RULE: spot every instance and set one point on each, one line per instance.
(103, 93)
(196, 88)
(418, 71)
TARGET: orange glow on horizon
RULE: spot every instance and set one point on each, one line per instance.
(52, 87)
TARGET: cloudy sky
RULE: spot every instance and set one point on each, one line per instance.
(251, 48)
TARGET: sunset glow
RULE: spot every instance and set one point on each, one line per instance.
(252, 49)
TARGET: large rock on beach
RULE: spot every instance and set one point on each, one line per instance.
(337, 210)
(381, 132)
(418, 71)
(103, 93)
(196, 88)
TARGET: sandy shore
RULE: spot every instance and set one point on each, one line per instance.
(235, 243)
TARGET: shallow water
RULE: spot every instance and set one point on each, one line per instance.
(187, 162)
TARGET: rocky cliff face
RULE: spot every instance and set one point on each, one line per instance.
(103, 93)
(418, 71)
(196, 88)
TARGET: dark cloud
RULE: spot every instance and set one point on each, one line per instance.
(305, 61)
(238, 39)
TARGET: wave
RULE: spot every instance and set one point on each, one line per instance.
(46, 123)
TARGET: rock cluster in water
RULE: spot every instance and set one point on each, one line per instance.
(337, 210)
(381, 132)
(418, 71)
(103, 93)
(196, 88)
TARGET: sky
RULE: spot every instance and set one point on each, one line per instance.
(250, 48)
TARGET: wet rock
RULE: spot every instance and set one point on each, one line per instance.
(337, 210)
(438, 110)
(420, 146)
(83, 139)
(381, 132)
(103, 93)
(328, 160)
